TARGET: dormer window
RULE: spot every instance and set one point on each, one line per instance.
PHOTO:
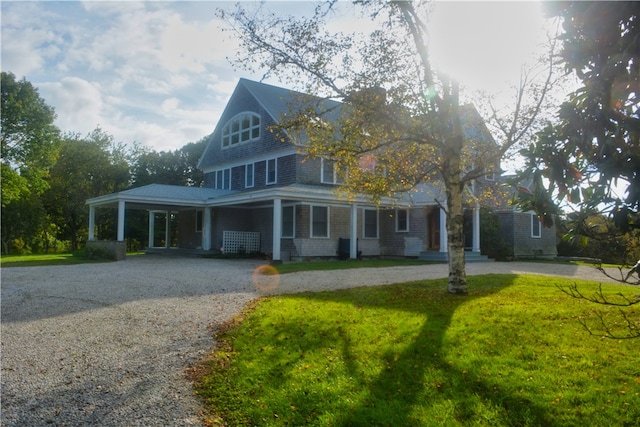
(241, 128)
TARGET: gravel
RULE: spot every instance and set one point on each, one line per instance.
(108, 344)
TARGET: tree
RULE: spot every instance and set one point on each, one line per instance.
(592, 151)
(86, 167)
(401, 122)
(178, 167)
(590, 155)
(29, 142)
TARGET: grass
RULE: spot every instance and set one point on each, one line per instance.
(343, 265)
(511, 353)
(35, 260)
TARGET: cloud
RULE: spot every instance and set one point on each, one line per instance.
(27, 44)
(78, 103)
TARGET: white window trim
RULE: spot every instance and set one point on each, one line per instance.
(398, 230)
(364, 225)
(328, 221)
(222, 186)
(293, 235)
(534, 217)
(334, 176)
(240, 130)
(246, 175)
(266, 171)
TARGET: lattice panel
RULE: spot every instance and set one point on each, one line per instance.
(235, 242)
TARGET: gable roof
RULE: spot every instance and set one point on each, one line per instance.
(278, 101)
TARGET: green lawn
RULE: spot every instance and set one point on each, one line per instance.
(48, 259)
(512, 353)
(342, 265)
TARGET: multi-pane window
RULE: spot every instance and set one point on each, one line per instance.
(402, 220)
(370, 223)
(319, 221)
(288, 221)
(223, 179)
(329, 174)
(536, 226)
(272, 172)
(248, 175)
(241, 128)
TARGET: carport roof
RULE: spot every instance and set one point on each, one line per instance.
(161, 194)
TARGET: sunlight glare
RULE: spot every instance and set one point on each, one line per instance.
(484, 44)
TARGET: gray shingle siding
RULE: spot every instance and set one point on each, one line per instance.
(241, 101)
(515, 228)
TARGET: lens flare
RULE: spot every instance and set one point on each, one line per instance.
(266, 278)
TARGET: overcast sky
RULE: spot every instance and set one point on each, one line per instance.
(157, 73)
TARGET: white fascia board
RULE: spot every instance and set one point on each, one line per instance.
(113, 199)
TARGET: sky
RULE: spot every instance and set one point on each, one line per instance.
(157, 73)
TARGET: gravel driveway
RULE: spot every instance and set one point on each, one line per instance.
(107, 344)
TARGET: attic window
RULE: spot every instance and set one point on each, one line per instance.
(241, 128)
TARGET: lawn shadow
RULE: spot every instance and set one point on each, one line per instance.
(427, 373)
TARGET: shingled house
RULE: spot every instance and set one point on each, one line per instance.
(260, 196)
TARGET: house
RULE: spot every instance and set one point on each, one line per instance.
(263, 195)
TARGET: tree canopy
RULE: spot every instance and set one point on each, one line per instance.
(28, 138)
(590, 154)
(86, 167)
(47, 177)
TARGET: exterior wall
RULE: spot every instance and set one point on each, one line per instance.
(302, 245)
(308, 171)
(286, 174)
(188, 237)
(404, 243)
(241, 101)
(515, 228)
(232, 219)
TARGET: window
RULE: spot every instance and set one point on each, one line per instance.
(319, 221)
(536, 226)
(241, 128)
(288, 221)
(328, 172)
(272, 172)
(198, 221)
(223, 179)
(370, 223)
(402, 220)
(248, 175)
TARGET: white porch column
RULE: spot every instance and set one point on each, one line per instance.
(167, 229)
(121, 220)
(353, 235)
(92, 223)
(277, 228)
(152, 228)
(206, 229)
(476, 228)
(443, 231)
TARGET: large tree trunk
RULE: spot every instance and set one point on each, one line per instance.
(455, 242)
(452, 175)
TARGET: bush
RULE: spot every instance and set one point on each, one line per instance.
(491, 243)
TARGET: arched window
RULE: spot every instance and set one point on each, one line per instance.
(242, 127)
